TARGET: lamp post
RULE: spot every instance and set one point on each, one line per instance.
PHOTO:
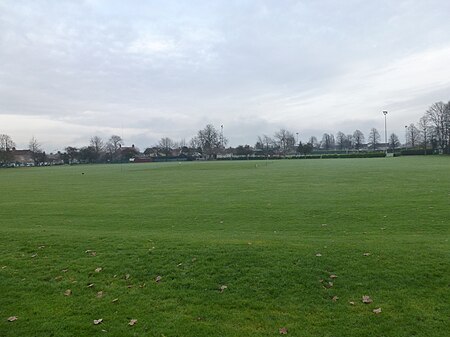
(297, 138)
(221, 135)
(385, 130)
(406, 137)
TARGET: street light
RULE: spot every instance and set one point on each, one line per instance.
(385, 130)
(406, 137)
(297, 137)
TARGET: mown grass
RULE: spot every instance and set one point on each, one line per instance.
(255, 227)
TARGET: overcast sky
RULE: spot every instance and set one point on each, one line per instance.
(144, 70)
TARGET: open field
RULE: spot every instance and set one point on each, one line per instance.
(255, 227)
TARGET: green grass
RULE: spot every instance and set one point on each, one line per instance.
(255, 227)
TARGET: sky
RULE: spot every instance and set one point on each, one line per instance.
(143, 70)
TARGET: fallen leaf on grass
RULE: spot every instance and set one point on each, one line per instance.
(98, 270)
(40, 247)
(132, 322)
(352, 303)
(366, 299)
(158, 279)
(115, 300)
(99, 294)
(333, 276)
(65, 270)
(222, 288)
(335, 298)
(98, 321)
(377, 310)
(329, 285)
(34, 255)
(90, 285)
(58, 278)
(142, 285)
(127, 276)
(68, 292)
(318, 255)
(12, 318)
(92, 252)
(283, 331)
(366, 254)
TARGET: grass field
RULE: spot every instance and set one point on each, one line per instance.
(255, 227)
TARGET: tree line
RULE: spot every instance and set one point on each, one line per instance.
(431, 132)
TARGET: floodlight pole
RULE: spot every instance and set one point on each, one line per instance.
(406, 137)
(385, 130)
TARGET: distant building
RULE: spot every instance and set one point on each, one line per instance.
(23, 157)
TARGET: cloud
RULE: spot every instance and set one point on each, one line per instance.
(159, 69)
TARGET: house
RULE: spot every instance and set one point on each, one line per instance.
(23, 157)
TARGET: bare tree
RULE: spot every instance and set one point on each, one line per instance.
(394, 142)
(112, 147)
(358, 139)
(285, 140)
(314, 142)
(209, 140)
(327, 141)
(6, 149)
(166, 145)
(412, 135)
(35, 147)
(116, 142)
(341, 140)
(374, 138)
(349, 142)
(97, 144)
(265, 143)
(424, 127)
(439, 117)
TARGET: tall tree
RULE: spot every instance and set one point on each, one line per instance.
(412, 135)
(349, 142)
(341, 140)
(304, 148)
(358, 139)
(72, 154)
(209, 141)
(394, 142)
(265, 143)
(6, 149)
(116, 142)
(35, 147)
(327, 141)
(424, 127)
(166, 145)
(439, 117)
(285, 140)
(112, 147)
(374, 138)
(314, 142)
(98, 145)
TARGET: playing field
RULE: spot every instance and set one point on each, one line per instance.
(227, 248)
